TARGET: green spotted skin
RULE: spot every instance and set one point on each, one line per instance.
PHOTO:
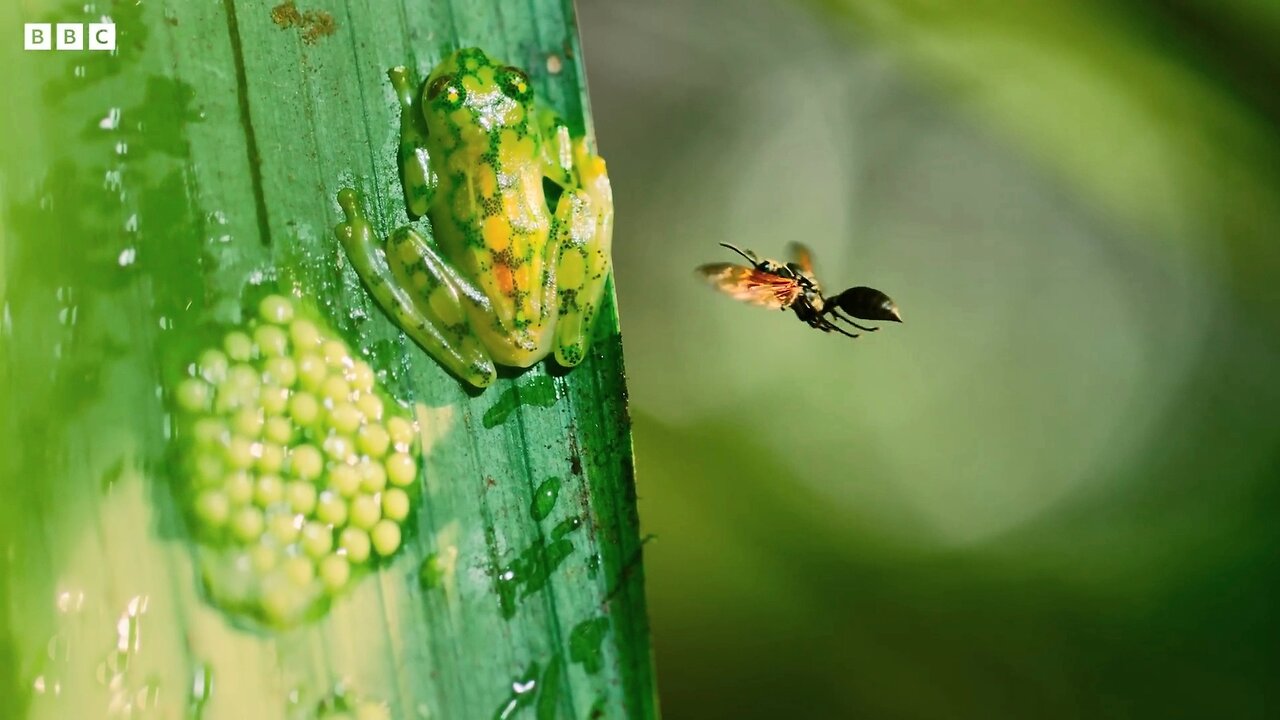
(505, 280)
(300, 474)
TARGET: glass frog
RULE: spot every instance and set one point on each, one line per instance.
(504, 279)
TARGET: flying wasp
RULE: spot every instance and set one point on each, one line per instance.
(794, 286)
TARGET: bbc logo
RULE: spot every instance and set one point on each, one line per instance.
(70, 36)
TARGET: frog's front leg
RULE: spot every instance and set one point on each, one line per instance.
(557, 150)
(583, 225)
(419, 290)
(416, 176)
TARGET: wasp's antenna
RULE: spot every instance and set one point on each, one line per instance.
(749, 256)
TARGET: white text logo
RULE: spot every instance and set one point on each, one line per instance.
(70, 36)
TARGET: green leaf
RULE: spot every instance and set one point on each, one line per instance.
(160, 190)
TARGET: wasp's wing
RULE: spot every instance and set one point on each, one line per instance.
(802, 256)
(751, 285)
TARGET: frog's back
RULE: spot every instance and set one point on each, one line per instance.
(490, 215)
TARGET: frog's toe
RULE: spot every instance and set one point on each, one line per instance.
(516, 348)
(464, 356)
(570, 355)
(350, 204)
(481, 375)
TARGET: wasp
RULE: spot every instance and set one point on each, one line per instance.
(794, 286)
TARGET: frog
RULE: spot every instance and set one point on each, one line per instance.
(502, 279)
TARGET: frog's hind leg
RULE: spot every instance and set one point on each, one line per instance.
(584, 227)
(412, 284)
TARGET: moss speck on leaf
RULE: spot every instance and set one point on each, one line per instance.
(315, 24)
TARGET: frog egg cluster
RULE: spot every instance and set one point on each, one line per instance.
(299, 471)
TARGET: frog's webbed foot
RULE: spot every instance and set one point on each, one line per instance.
(416, 176)
(583, 227)
(414, 287)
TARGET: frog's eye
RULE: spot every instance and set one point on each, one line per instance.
(514, 82)
(445, 85)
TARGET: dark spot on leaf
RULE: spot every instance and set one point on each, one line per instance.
(575, 455)
(539, 392)
(528, 572)
(584, 643)
(544, 498)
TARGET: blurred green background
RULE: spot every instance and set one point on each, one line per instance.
(1051, 493)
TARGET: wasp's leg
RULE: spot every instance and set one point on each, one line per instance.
(583, 227)
(417, 289)
(416, 177)
(836, 314)
(826, 325)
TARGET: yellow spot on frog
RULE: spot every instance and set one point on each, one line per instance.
(571, 325)
(461, 118)
(515, 114)
(522, 276)
(488, 180)
(592, 167)
(573, 270)
(515, 210)
(513, 151)
(420, 280)
(445, 307)
(496, 233)
(407, 252)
